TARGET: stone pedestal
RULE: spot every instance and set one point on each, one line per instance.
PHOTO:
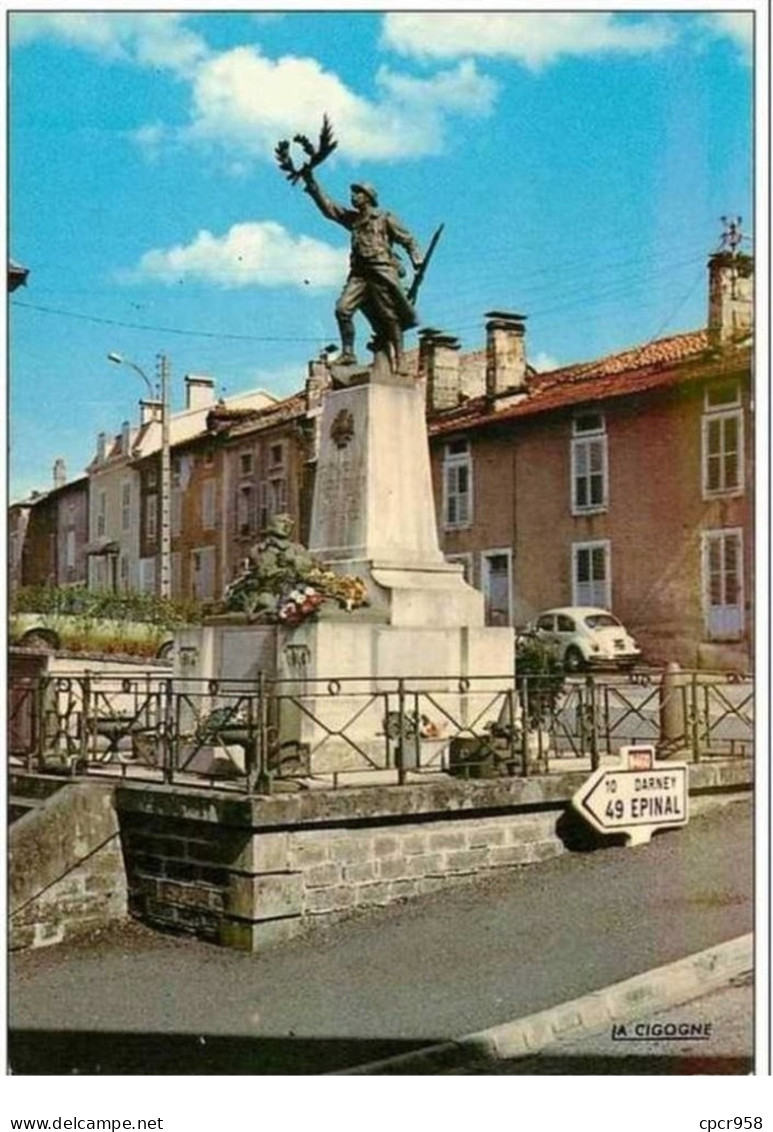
(419, 651)
(374, 514)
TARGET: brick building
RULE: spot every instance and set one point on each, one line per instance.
(244, 466)
(624, 482)
(125, 497)
(268, 460)
(48, 534)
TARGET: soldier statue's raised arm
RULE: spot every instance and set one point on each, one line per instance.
(374, 283)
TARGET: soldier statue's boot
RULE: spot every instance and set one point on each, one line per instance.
(347, 357)
(394, 346)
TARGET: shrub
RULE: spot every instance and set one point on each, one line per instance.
(104, 605)
(132, 624)
(539, 677)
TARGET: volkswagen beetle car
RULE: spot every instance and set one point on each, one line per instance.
(586, 637)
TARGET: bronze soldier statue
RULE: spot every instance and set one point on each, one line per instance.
(375, 271)
(374, 285)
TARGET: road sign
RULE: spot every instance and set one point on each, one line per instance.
(635, 800)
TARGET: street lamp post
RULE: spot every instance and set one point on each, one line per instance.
(165, 582)
(163, 370)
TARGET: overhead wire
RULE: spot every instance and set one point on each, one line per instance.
(588, 299)
(163, 329)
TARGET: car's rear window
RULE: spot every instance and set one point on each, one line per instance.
(601, 621)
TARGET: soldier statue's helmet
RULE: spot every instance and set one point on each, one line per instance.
(280, 525)
(368, 189)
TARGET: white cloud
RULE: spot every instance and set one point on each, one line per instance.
(260, 254)
(150, 39)
(736, 26)
(534, 39)
(151, 138)
(245, 99)
(544, 363)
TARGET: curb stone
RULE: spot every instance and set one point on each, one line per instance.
(655, 990)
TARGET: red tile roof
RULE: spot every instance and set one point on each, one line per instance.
(241, 422)
(667, 361)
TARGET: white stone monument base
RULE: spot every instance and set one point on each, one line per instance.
(340, 685)
(335, 684)
(417, 664)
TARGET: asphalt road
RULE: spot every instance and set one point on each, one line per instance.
(389, 980)
(720, 1040)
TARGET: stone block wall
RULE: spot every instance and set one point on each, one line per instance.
(253, 888)
(252, 872)
(179, 870)
(88, 898)
(65, 867)
(345, 869)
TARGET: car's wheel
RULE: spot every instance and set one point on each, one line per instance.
(574, 661)
(40, 638)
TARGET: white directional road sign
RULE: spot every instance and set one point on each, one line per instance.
(635, 802)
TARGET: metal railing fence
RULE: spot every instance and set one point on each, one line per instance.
(252, 735)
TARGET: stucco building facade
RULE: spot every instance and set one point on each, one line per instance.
(626, 482)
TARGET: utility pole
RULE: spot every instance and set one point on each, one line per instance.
(163, 370)
(163, 374)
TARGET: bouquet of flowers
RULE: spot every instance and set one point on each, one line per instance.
(298, 604)
(280, 581)
(347, 589)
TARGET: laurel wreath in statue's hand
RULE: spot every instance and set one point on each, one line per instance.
(316, 154)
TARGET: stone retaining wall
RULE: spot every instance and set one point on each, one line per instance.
(66, 870)
(251, 872)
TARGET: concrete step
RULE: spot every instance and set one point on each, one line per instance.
(27, 792)
(27, 784)
(18, 807)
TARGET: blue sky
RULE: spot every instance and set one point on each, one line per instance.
(580, 162)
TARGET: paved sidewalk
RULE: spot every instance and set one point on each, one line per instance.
(581, 1031)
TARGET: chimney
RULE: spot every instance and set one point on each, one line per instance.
(126, 437)
(60, 473)
(101, 447)
(150, 411)
(731, 296)
(439, 365)
(505, 353)
(318, 381)
(199, 391)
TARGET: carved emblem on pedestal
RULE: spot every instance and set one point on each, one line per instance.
(342, 428)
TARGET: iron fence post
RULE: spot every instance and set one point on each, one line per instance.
(525, 726)
(36, 725)
(695, 719)
(511, 742)
(416, 733)
(250, 749)
(41, 743)
(85, 706)
(591, 721)
(262, 781)
(387, 732)
(399, 752)
(168, 732)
